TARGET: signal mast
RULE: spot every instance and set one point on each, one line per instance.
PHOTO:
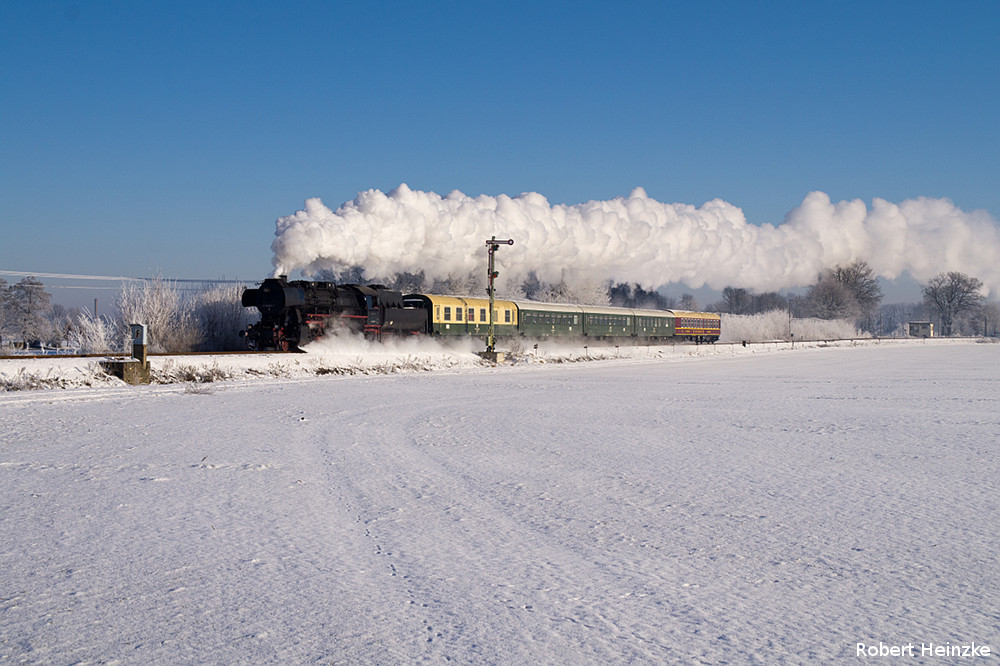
(493, 244)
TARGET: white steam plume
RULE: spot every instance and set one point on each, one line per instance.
(635, 239)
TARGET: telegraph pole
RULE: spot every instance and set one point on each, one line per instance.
(493, 244)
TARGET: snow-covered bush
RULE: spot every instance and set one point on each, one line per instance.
(776, 325)
(826, 329)
(158, 305)
(220, 316)
(94, 335)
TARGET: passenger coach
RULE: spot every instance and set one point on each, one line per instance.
(457, 315)
(546, 320)
(697, 326)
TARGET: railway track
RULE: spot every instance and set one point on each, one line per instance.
(124, 355)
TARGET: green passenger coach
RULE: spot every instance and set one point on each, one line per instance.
(545, 320)
(601, 322)
(654, 324)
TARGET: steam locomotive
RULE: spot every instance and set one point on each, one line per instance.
(292, 314)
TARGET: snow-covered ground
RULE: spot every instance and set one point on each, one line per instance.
(676, 504)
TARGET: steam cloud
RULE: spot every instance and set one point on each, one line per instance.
(635, 239)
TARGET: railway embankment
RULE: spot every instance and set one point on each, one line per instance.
(347, 357)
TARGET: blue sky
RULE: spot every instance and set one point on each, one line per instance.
(166, 137)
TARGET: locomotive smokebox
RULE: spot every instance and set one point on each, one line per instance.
(273, 296)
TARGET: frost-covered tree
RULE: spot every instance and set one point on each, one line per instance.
(219, 316)
(5, 311)
(95, 335)
(28, 304)
(62, 321)
(589, 292)
(408, 283)
(951, 295)
(158, 305)
(461, 285)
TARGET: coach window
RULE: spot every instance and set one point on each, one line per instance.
(482, 314)
(447, 313)
(458, 314)
(472, 314)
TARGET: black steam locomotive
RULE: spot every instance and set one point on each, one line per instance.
(295, 313)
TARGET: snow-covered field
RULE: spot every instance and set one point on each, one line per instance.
(677, 504)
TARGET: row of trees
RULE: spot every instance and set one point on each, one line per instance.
(852, 293)
(845, 292)
(208, 320)
(211, 319)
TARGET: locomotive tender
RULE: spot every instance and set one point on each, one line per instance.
(298, 312)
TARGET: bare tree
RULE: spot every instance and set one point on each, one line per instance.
(952, 294)
(991, 319)
(633, 296)
(860, 280)
(846, 292)
(736, 300)
(688, 302)
(893, 317)
(769, 301)
(831, 299)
